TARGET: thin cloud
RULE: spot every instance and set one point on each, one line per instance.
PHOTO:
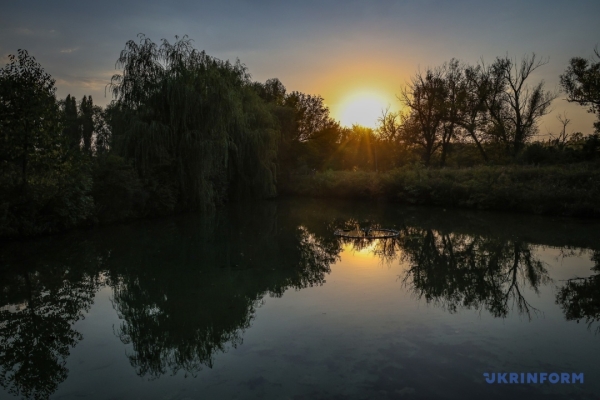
(69, 50)
(86, 83)
(24, 32)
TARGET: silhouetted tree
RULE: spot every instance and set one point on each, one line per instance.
(72, 126)
(514, 107)
(425, 96)
(389, 127)
(29, 117)
(358, 148)
(45, 184)
(581, 82)
(102, 131)
(86, 117)
(311, 114)
(472, 116)
(308, 133)
(394, 140)
(272, 91)
(454, 81)
(194, 126)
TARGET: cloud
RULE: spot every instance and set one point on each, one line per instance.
(24, 32)
(83, 82)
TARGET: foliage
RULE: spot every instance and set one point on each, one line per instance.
(311, 115)
(187, 131)
(45, 297)
(557, 190)
(514, 107)
(581, 82)
(118, 192)
(71, 127)
(272, 91)
(86, 116)
(173, 320)
(29, 118)
(470, 271)
(84, 125)
(46, 184)
(308, 135)
(579, 297)
(193, 120)
(173, 317)
(473, 104)
(425, 96)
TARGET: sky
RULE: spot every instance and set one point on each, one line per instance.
(355, 54)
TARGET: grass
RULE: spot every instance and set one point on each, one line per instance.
(569, 190)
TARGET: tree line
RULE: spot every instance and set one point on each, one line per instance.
(187, 131)
(470, 114)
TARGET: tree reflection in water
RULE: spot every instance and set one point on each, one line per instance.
(182, 308)
(39, 305)
(186, 289)
(471, 271)
(455, 271)
(579, 298)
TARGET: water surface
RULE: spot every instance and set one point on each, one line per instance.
(262, 301)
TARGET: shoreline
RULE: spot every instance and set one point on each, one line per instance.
(563, 190)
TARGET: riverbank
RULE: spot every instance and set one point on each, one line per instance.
(571, 190)
(565, 190)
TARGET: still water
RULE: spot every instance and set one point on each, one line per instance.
(262, 301)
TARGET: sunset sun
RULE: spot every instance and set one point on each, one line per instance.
(362, 109)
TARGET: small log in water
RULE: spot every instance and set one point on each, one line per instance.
(367, 233)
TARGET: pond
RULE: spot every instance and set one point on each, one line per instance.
(262, 301)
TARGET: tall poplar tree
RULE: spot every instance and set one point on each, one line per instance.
(86, 117)
(71, 123)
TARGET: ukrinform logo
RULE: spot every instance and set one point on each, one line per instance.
(535, 377)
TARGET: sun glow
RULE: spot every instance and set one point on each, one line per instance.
(362, 109)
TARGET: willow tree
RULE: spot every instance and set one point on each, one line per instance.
(194, 128)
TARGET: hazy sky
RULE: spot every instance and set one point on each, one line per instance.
(333, 48)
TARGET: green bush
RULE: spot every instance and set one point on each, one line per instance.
(50, 202)
(558, 190)
(117, 191)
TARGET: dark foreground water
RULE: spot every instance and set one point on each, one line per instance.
(261, 301)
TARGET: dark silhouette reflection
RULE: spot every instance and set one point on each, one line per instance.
(184, 299)
(475, 272)
(455, 271)
(187, 288)
(38, 307)
(386, 249)
(579, 298)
